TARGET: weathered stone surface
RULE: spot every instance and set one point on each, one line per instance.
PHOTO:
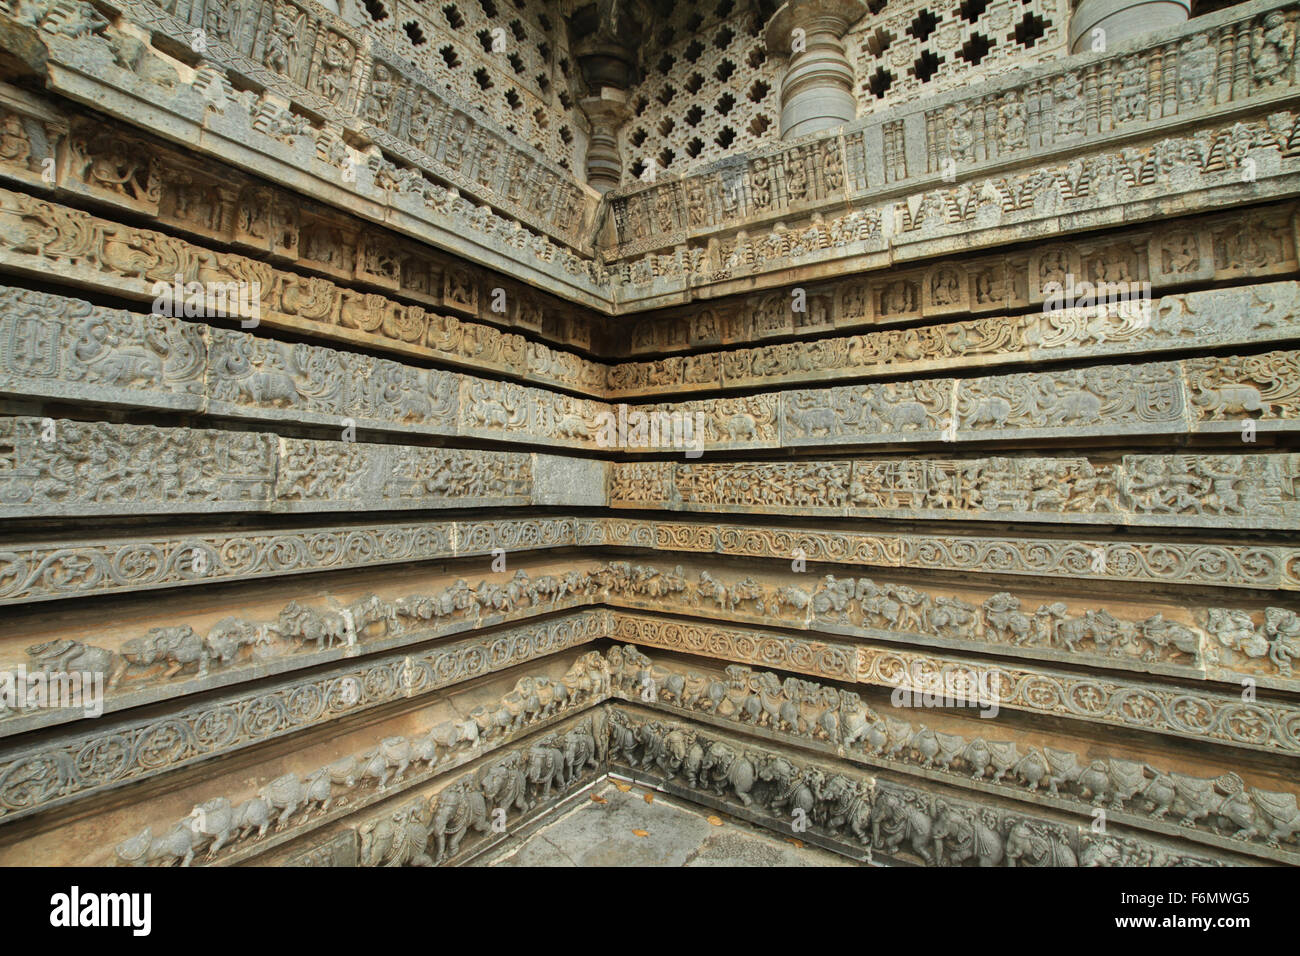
(37, 236)
(1259, 313)
(604, 833)
(849, 166)
(34, 570)
(954, 749)
(91, 468)
(1216, 490)
(853, 810)
(132, 748)
(986, 390)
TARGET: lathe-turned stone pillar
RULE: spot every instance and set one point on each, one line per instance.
(1121, 20)
(607, 113)
(817, 91)
(605, 37)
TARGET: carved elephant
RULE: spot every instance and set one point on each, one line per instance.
(966, 835)
(579, 749)
(728, 768)
(459, 808)
(895, 822)
(1027, 846)
(65, 656)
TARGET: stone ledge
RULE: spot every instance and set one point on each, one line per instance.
(44, 570)
(38, 777)
(98, 468)
(1210, 490)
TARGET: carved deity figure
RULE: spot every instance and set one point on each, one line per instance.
(1272, 50)
(1195, 70)
(282, 39)
(1011, 124)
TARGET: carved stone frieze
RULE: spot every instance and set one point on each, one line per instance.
(189, 654)
(515, 778)
(64, 467)
(1091, 558)
(37, 236)
(868, 812)
(140, 176)
(67, 349)
(1224, 718)
(1102, 185)
(44, 570)
(322, 64)
(1197, 642)
(36, 777)
(1134, 792)
(1210, 490)
(1198, 714)
(1258, 313)
(311, 329)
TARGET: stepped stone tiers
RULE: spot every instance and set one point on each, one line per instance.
(876, 422)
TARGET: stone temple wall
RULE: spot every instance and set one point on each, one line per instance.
(385, 457)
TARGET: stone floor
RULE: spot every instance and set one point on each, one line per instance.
(614, 825)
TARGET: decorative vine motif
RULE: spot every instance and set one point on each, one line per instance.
(42, 571)
(1170, 562)
(1200, 715)
(38, 571)
(823, 658)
